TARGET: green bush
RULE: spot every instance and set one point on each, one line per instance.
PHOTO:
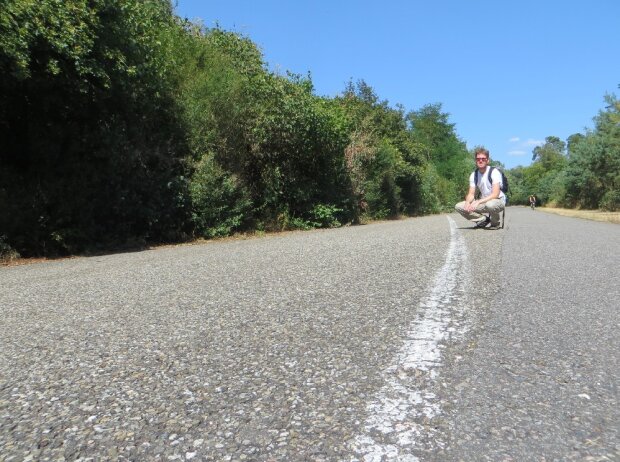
(430, 191)
(285, 221)
(7, 253)
(610, 201)
(325, 216)
(220, 204)
(91, 142)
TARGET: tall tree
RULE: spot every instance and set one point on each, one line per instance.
(551, 153)
(430, 127)
(593, 171)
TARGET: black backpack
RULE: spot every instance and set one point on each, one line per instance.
(503, 187)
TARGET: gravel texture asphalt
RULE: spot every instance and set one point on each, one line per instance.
(541, 380)
(276, 348)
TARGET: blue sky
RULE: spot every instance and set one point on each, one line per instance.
(509, 73)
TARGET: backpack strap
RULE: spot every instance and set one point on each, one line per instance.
(489, 175)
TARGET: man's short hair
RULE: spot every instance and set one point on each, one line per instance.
(481, 150)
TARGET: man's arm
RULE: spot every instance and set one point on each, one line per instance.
(470, 194)
(469, 199)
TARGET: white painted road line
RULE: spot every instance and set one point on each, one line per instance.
(393, 428)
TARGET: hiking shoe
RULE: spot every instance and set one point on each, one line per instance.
(493, 226)
(482, 223)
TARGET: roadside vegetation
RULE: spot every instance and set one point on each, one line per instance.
(581, 173)
(123, 125)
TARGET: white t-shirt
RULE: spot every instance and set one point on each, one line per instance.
(484, 185)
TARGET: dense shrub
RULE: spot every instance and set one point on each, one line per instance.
(220, 203)
(610, 201)
(92, 145)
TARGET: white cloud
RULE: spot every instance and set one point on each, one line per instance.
(532, 142)
(514, 139)
(516, 153)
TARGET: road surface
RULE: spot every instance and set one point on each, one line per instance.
(413, 340)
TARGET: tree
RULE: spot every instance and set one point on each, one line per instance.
(572, 143)
(430, 128)
(593, 170)
(589, 175)
(551, 153)
(92, 145)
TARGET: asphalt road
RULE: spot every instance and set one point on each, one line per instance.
(415, 340)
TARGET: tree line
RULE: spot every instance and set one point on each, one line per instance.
(581, 172)
(123, 125)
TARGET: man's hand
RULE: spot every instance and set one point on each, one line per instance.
(471, 207)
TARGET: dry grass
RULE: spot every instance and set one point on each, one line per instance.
(597, 215)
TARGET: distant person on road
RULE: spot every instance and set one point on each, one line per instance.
(492, 200)
(532, 201)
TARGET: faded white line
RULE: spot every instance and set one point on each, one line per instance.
(397, 414)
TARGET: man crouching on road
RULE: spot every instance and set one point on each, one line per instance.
(492, 199)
